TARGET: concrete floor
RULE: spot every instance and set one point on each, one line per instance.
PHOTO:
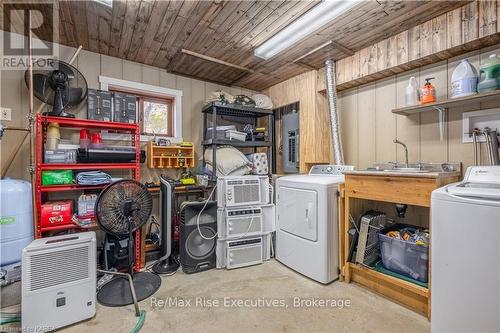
(367, 312)
(271, 281)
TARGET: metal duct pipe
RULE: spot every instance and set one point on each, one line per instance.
(331, 93)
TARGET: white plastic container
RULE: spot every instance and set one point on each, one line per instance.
(464, 80)
(411, 93)
(236, 135)
(16, 219)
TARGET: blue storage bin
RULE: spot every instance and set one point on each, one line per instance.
(403, 257)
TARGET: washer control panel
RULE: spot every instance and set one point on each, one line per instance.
(334, 170)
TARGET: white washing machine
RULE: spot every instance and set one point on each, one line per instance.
(465, 246)
(307, 238)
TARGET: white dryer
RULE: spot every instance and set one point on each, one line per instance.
(307, 237)
(465, 245)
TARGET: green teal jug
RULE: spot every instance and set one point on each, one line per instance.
(489, 75)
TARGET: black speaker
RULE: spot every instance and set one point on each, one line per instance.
(197, 252)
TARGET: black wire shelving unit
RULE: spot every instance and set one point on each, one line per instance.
(212, 113)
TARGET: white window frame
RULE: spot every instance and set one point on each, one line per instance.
(148, 89)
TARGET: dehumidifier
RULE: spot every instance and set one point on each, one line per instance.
(58, 281)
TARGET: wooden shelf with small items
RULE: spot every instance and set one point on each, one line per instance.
(169, 157)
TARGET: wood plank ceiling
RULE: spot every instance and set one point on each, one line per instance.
(156, 32)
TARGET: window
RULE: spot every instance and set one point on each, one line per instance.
(156, 116)
(155, 113)
(159, 108)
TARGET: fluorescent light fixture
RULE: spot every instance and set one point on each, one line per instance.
(316, 18)
(108, 3)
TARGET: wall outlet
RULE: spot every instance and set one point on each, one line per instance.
(5, 114)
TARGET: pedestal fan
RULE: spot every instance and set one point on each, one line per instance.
(58, 84)
(122, 208)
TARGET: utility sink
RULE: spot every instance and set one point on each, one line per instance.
(407, 169)
(421, 167)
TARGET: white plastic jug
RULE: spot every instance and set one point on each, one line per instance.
(464, 80)
(411, 94)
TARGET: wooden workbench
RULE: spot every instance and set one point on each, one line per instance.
(386, 187)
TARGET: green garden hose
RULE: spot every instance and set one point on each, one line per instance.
(4, 321)
(137, 327)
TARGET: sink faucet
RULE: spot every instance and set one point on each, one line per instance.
(406, 150)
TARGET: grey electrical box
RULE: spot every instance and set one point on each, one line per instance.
(124, 108)
(290, 137)
(99, 105)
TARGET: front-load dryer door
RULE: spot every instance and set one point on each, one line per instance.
(297, 212)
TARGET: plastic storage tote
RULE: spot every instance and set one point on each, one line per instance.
(403, 257)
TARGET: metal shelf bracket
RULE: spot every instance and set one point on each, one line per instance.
(442, 120)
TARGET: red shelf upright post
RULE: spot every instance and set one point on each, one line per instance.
(136, 139)
(39, 138)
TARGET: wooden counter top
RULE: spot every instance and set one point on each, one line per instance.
(183, 189)
(397, 187)
(435, 175)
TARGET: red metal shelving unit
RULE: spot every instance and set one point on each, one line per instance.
(73, 187)
(41, 191)
(87, 166)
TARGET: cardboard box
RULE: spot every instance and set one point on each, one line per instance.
(124, 108)
(55, 213)
(99, 105)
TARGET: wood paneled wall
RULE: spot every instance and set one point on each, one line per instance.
(14, 95)
(471, 27)
(314, 131)
(368, 126)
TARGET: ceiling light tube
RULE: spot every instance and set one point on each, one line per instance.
(315, 19)
(108, 3)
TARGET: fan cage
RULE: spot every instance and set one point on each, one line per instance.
(44, 91)
(110, 207)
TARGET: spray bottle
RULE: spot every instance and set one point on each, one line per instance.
(428, 92)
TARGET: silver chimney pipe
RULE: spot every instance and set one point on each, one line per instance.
(331, 93)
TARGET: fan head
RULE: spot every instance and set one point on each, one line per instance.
(57, 83)
(120, 202)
